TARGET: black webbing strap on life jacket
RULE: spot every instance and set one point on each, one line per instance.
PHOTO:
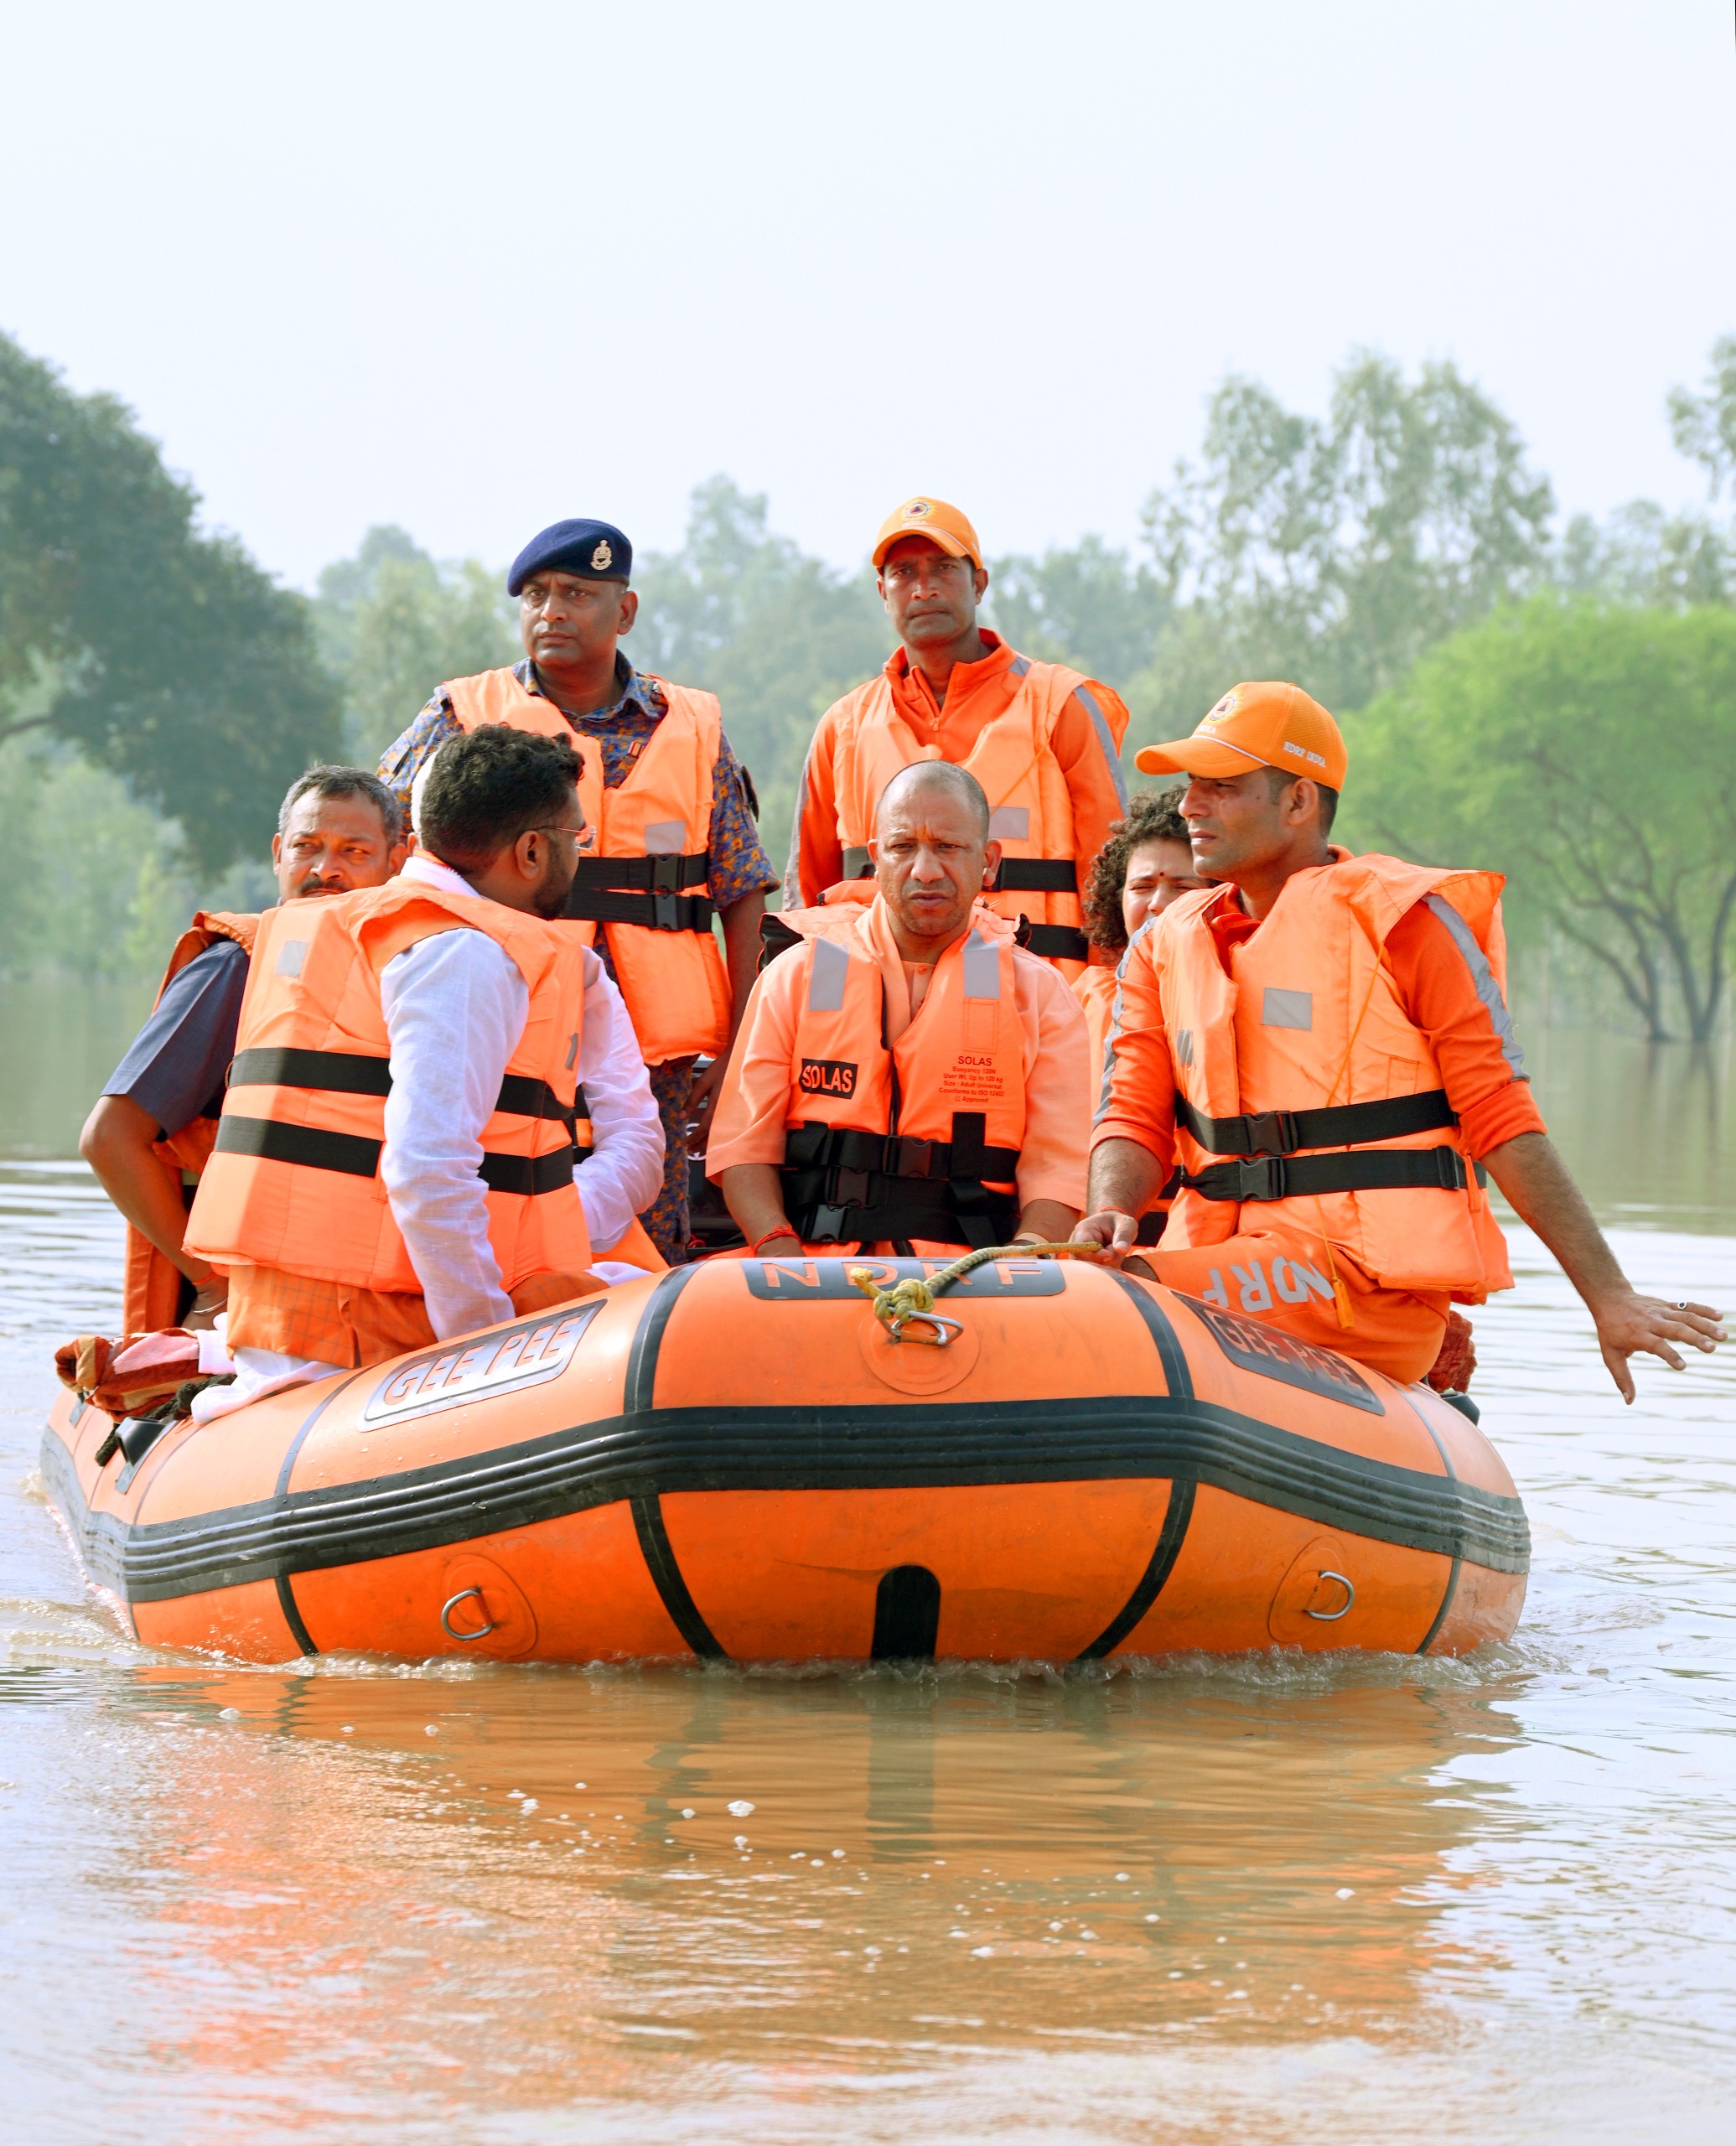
(357, 1073)
(1055, 942)
(1340, 1125)
(1297, 1177)
(1018, 875)
(643, 890)
(842, 1186)
(775, 937)
(1151, 1223)
(1270, 1167)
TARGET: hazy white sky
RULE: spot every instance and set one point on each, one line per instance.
(471, 268)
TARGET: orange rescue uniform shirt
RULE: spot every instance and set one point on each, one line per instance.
(976, 694)
(1439, 994)
(753, 1109)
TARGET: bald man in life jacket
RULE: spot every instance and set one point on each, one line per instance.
(1043, 740)
(907, 1080)
(1324, 1046)
(394, 1162)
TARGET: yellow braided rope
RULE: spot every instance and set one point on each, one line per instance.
(913, 1298)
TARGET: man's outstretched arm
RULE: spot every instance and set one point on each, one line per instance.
(1538, 1188)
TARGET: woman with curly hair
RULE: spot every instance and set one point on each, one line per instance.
(1145, 865)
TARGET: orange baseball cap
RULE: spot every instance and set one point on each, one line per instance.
(1263, 724)
(922, 516)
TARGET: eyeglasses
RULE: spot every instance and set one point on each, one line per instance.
(585, 836)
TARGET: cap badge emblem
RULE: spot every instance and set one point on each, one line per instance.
(1225, 709)
(918, 511)
(601, 559)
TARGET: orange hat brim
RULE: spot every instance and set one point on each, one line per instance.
(943, 540)
(1207, 756)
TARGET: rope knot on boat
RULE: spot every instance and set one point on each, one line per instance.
(910, 1303)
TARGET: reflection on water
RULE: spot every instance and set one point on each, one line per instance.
(58, 1042)
(1263, 1900)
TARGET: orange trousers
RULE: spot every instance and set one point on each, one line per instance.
(1283, 1278)
(299, 1315)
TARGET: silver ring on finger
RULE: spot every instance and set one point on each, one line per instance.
(1681, 1307)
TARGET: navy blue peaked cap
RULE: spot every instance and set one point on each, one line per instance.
(596, 550)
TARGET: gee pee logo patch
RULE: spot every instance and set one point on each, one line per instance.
(527, 1354)
(828, 1077)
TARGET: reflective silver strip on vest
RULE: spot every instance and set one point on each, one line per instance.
(1287, 1009)
(828, 972)
(1019, 666)
(982, 968)
(665, 838)
(1010, 823)
(1488, 990)
(1106, 739)
(792, 870)
(290, 956)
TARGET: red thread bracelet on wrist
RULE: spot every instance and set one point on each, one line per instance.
(783, 1230)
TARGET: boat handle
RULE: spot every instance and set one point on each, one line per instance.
(1325, 1617)
(464, 1594)
(944, 1329)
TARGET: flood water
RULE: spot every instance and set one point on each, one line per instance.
(1260, 1901)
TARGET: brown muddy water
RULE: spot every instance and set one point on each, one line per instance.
(1265, 1900)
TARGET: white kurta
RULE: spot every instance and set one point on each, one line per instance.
(455, 1006)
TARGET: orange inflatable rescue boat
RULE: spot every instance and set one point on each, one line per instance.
(737, 1460)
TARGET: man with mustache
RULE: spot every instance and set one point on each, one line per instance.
(1321, 1042)
(1041, 739)
(148, 1139)
(395, 1163)
(672, 808)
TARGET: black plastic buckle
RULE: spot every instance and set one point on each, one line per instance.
(827, 1226)
(666, 873)
(1261, 1177)
(913, 1158)
(851, 1188)
(664, 916)
(1271, 1132)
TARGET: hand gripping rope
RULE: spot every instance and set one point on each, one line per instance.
(911, 1302)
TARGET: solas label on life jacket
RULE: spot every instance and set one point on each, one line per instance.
(827, 1077)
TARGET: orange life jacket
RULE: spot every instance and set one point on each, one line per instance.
(293, 1181)
(153, 1284)
(1302, 1069)
(1094, 987)
(1095, 990)
(917, 1143)
(646, 883)
(1030, 806)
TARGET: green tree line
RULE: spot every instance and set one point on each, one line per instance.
(1553, 700)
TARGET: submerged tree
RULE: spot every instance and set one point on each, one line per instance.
(164, 654)
(1334, 552)
(776, 634)
(394, 625)
(1093, 607)
(1590, 748)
